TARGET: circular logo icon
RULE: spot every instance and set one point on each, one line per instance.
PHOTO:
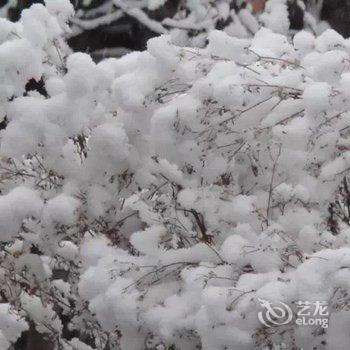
(274, 314)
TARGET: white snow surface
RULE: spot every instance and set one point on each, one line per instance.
(153, 199)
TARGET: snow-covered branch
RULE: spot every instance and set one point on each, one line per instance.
(162, 199)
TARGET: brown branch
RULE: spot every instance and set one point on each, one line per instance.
(200, 222)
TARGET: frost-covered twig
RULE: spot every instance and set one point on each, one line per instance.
(88, 24)
(141, 16)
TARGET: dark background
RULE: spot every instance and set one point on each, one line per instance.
(130, 34)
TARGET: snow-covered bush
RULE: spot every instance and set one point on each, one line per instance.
(149, 202)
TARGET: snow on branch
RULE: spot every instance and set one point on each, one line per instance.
(163, 199)
(88, 24)
(141, 16)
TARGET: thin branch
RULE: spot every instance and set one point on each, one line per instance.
(271, 184)
(268, 58)
(246, 110)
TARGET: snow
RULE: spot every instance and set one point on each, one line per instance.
(232, 250)
(17, 205)
(61, 210)
(40, 313)
(325, 67)
(329, 40)
(147, 241)
(76, 344)
(153, 199)
(268, 43)
(224, 46)
(249, 20)
(338, 337)
(285, 109)
(67, 250)
(316, 97)
(109, 149)
(20, 62)
(275, 16)
(304, 42)
(11, 324)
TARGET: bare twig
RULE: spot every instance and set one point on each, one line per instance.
(271, 184)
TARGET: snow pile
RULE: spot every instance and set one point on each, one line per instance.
(151, 201)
